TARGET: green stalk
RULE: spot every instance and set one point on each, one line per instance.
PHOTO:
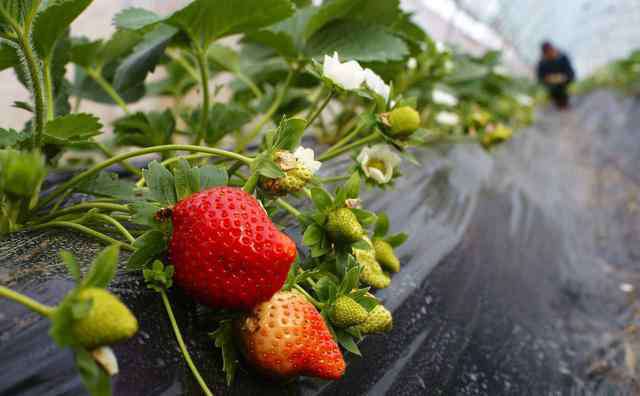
(251, 182)
(347, 137)
(252, 86)
(242, 144)
(334, 179)
(82, 206)
(176, 56)
(84, 229)
(183, 347)
(334, 153)
(116, 224)
(312, 300)
(108, 88)
(137, 153)
(324, 104)
(48, 86)
(28, 302)
(110, 154)
(288, 207)
(201, 58)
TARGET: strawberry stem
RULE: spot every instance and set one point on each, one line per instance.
(251, 182)
(183, 347)
(324, 104)
(334, 153)
(85, 205)
(28, 302)
(313, 301)
(86, 230)
(287, 206)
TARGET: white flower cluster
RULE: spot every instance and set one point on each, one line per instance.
(444, 98)
(447, 118)
(350, 75)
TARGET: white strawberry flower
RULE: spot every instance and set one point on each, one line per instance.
(447, 118)
(444, 98)
(306, 157)
(105, 357)
(378, 162)
(348, 75)
(376, 84)
(412, 63)
(524, 100)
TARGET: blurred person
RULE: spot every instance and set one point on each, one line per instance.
(555, 73)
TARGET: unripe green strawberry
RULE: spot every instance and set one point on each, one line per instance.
(108, 321)
(379, 320)
(293, 181)
(343, 226)
(347, 312)
(404, 120)
(385, 255)
(372, 273)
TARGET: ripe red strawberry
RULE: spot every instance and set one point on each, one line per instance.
(226, 251)
(286, 336)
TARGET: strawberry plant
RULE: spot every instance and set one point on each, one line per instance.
(205, 212)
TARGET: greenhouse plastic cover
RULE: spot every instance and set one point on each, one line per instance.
(511, 282)
(593, 32)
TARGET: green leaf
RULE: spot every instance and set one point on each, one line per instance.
(385, 12)
(290, 133)
(186, 181)
(158, 277)
(351, 277)
(397, 239)
(286, 37)
(121, 43)
(103, 268)
(212, 176)
(145, 129)
(93, 377)
(328, 12)
(224, 340)
(382, 225)
(11, 137)
(321, 199)
(144, 213)
(16, 10)
(267, 168)
(326, 289)
(312, 235)
(18, 104)
(51, 23)
(71, 127)
(207, 20)
(365, 217)
(346, 340)
(359, 41)
(135, 18)
(223, 119)
(72, 265)
(224, 57)
(108, 185)
(352, 186)
(134, 69)
(148, 246)
(160, 182)
(8, 56)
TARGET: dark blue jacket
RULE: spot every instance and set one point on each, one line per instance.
(561, 64)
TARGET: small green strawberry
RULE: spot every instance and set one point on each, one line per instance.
(347, 312)
(296, 175)
(343, 226)
(379, 320)
(404, 120)
(372, 273)
(385, 255)
(107, 322)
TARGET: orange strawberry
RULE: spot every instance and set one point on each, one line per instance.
(286, 336)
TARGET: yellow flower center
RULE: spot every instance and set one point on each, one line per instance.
(377, 164)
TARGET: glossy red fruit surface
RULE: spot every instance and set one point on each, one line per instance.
(226, 251)
(286, 337)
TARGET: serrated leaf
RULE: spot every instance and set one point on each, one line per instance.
(103, 268)
(382, 225)
(148, 246)
(326, 289)
(312, 235)
(94, 378)
(223, 119)
(267, 168)
(109, 185)
(134, 69)
(186, 181)
(290, 133)
(224, 340)
(160, 182)
(85, 52)
(359, 41)
(212, 176)
(80, 125)
(287, 36)
(207, 20)
(51, 23)
(321, 199)
(11, 137)
(72, 265)
(143, 213)
(145, 129)
(346, 340)
(328, 12)
(135, 18)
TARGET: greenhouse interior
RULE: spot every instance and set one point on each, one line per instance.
(327, 197)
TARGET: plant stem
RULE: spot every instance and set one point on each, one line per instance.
(40, 104)
(242, 144)
(251, 182)
(176, 56)
(288, 207)
(108, 88)
(86, 230)
(48, 86)
(252, 86)
(148, 150)
(347, 137)
(28, 302)
(334, 179)
(109, 154)
(183, 347)
(312, 300)
(319, 109)
(82, 206)
(116, 224)
(334, 153)
(201, 57)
